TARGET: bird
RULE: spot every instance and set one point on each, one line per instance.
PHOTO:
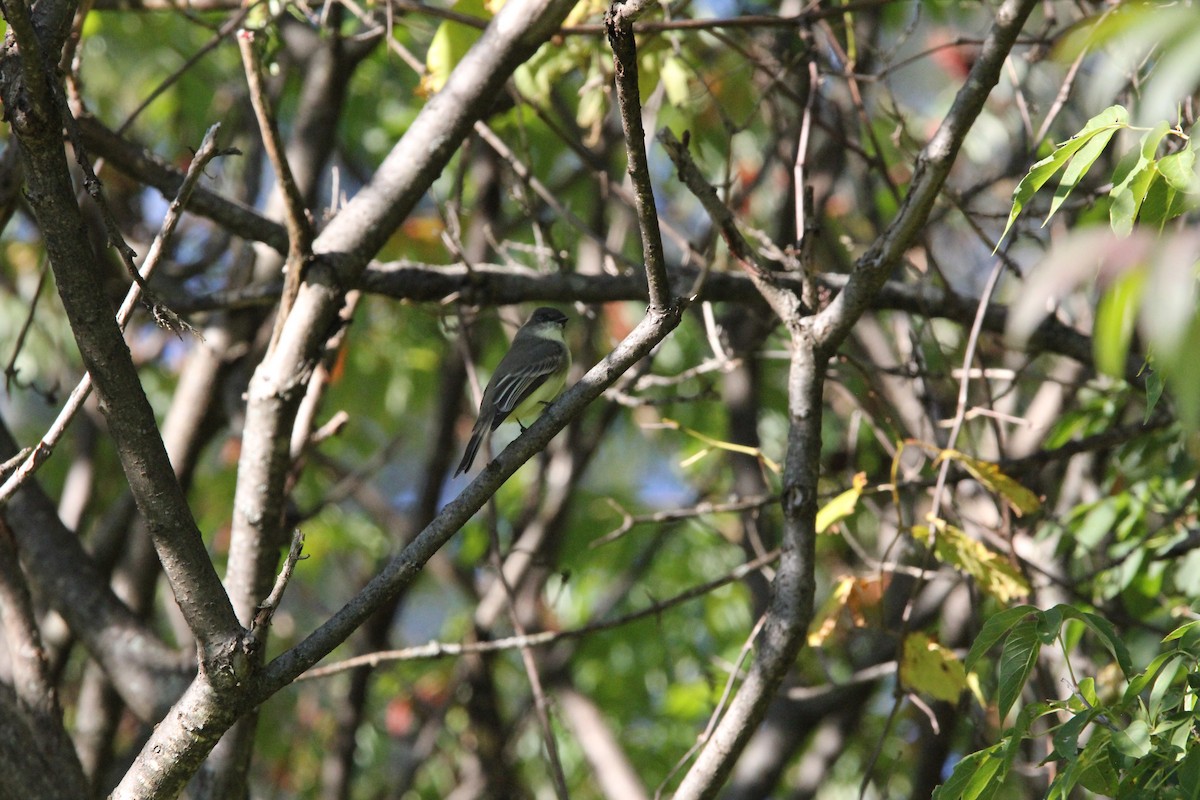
(530, 375)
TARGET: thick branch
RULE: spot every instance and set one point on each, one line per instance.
(343, 250)
(932, 168)
(142, 165)
(499, 285)
(791, 608)
(813, 340)
(131, 422)
(405, 566)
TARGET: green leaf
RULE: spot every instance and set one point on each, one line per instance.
(1183, 631)
(1160, 203)
(1162, 684)
(1021, 650)
(1103, 125)
(1134, 741)
(1139, 682)
(995, 629)
(1116, 318)
(975, 776)
(1095, 768)
(1066, 738)
(1189, 774)
(1105, 632)
(450, 43)
(1179, 169)
(1080, 165)
(1129, 192)
(1049, 625)
(1099, 521)
(1154, 390)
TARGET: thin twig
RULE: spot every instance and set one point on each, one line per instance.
(299, 226)
(628, 520)
(10, 369)
(540, 705)
(434, 650)
(784, 302)
(266, 609)
(716, 715)
(938, 493)
(228, 27)
(207, 152)
(619, 25)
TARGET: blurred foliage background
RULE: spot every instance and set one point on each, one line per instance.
(671, 481)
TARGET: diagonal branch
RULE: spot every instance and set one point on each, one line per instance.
(299, 226)
(131, 422)
(783, 301)
(402, 569)
(813, 340)
(619, 25)
(208, 151)
(144, 166)
(351, 239)
(932, 168)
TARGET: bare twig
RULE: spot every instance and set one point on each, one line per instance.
(299, 226)
(619, 24)
(207, 152)
(434, 650)
(783, 302)
(227, 27)
(703, 738)
(540, 706)
(266, 609)
(628, 520)
(813, 340)
(10, 369)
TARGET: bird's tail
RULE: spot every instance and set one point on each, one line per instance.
(472, 449)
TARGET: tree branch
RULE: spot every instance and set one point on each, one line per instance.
(123, 402)
(142, 165)
(407, 564)
(36, 697)
(813, 340)
(45, 447)
(932, 168)
(619, 25)
(299, 226)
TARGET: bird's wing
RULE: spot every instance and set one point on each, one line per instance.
(515, 385)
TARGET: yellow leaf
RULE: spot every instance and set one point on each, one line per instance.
(852, 595)
(841, 506)
(992, 572)
(931, 669)
(1021, 500)
(825, 620)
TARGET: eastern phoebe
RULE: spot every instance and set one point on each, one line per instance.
(530, 375)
